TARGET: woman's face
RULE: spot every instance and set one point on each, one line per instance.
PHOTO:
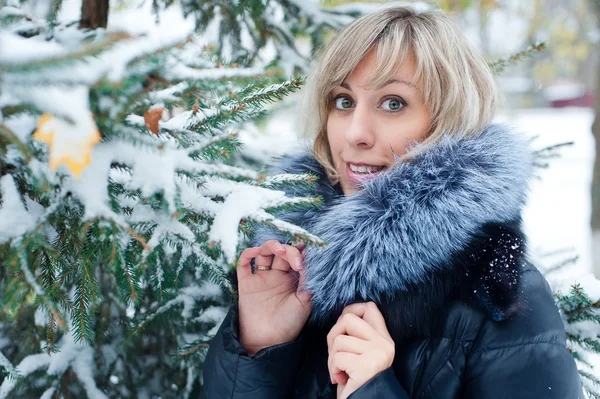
(366, 126)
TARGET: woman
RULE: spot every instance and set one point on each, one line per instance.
(423, 290)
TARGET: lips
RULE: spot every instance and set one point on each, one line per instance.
(359, 177)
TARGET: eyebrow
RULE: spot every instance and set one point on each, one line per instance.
(388, 82)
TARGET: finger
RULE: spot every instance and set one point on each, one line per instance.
(290, 258)
(269, 251)
(294, 257)
(271, 247)
(351, 324)
(370, 313)
(264, 260)
(336, 376)
(243, 264)
(347, 343)
(340, 378)
(342, 366)
(279, 263)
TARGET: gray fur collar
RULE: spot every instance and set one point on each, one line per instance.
(413, 226)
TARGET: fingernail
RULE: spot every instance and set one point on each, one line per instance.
(279, 247)
(298, 264)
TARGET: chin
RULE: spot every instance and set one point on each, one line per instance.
(348, 188)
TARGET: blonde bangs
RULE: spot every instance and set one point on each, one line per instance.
(392, 49)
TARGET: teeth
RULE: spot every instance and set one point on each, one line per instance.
(365, 169)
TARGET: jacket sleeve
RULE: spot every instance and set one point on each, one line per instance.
(382, 385)
(526, 357)
(229, 372)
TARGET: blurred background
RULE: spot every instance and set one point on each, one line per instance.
(549, 96)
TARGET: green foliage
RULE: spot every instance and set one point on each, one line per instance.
(136, 276)
(241, 29)
(502, 63)
(578, 307)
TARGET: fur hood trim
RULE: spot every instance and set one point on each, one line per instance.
(420, 226)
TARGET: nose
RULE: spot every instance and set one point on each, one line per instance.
(360, 131)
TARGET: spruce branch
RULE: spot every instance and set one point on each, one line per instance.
(591, 383)
(28, 365)
(578, 306)
(198, 345)
(86, 51)
(55, 7)
(156, 52)
(267, 95)
(179, 300)
(560, 265)
(217, 139)
(38, 290)
(8, 137)
(124, 272)
(587, 343)
(10, 370)
(231, 107)
(50, 330)
(286, 178)
(500, 64)
(299, 234)
(14, 110)
(550, 152)
(13, 292)
(102, 249)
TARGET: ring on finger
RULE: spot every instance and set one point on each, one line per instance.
(255, 267)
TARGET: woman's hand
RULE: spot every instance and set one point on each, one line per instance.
(272, 309)
(360, 347)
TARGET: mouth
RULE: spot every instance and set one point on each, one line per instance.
(358, 172)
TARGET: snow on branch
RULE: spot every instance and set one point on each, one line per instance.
(113, 204)
(78, 356)
(183, 72)
(287, 178)
(83, 367)
(187, 297)
(30, 278)
(7, 365)
(245, 202)
(15, 220)
(27, 366)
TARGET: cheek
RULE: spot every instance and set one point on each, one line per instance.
(401, 138)
(334, 135)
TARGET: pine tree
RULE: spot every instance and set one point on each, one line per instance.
(122, 214)
(582, 320)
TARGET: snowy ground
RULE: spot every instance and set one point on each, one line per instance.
(557, 215)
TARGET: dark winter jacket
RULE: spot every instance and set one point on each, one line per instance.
(437, 243)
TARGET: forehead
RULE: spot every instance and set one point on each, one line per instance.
(391, 58)
(375, 71)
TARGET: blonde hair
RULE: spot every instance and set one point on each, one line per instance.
(457, 85)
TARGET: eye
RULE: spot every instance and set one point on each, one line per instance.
(393, 104)
(343, 102)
